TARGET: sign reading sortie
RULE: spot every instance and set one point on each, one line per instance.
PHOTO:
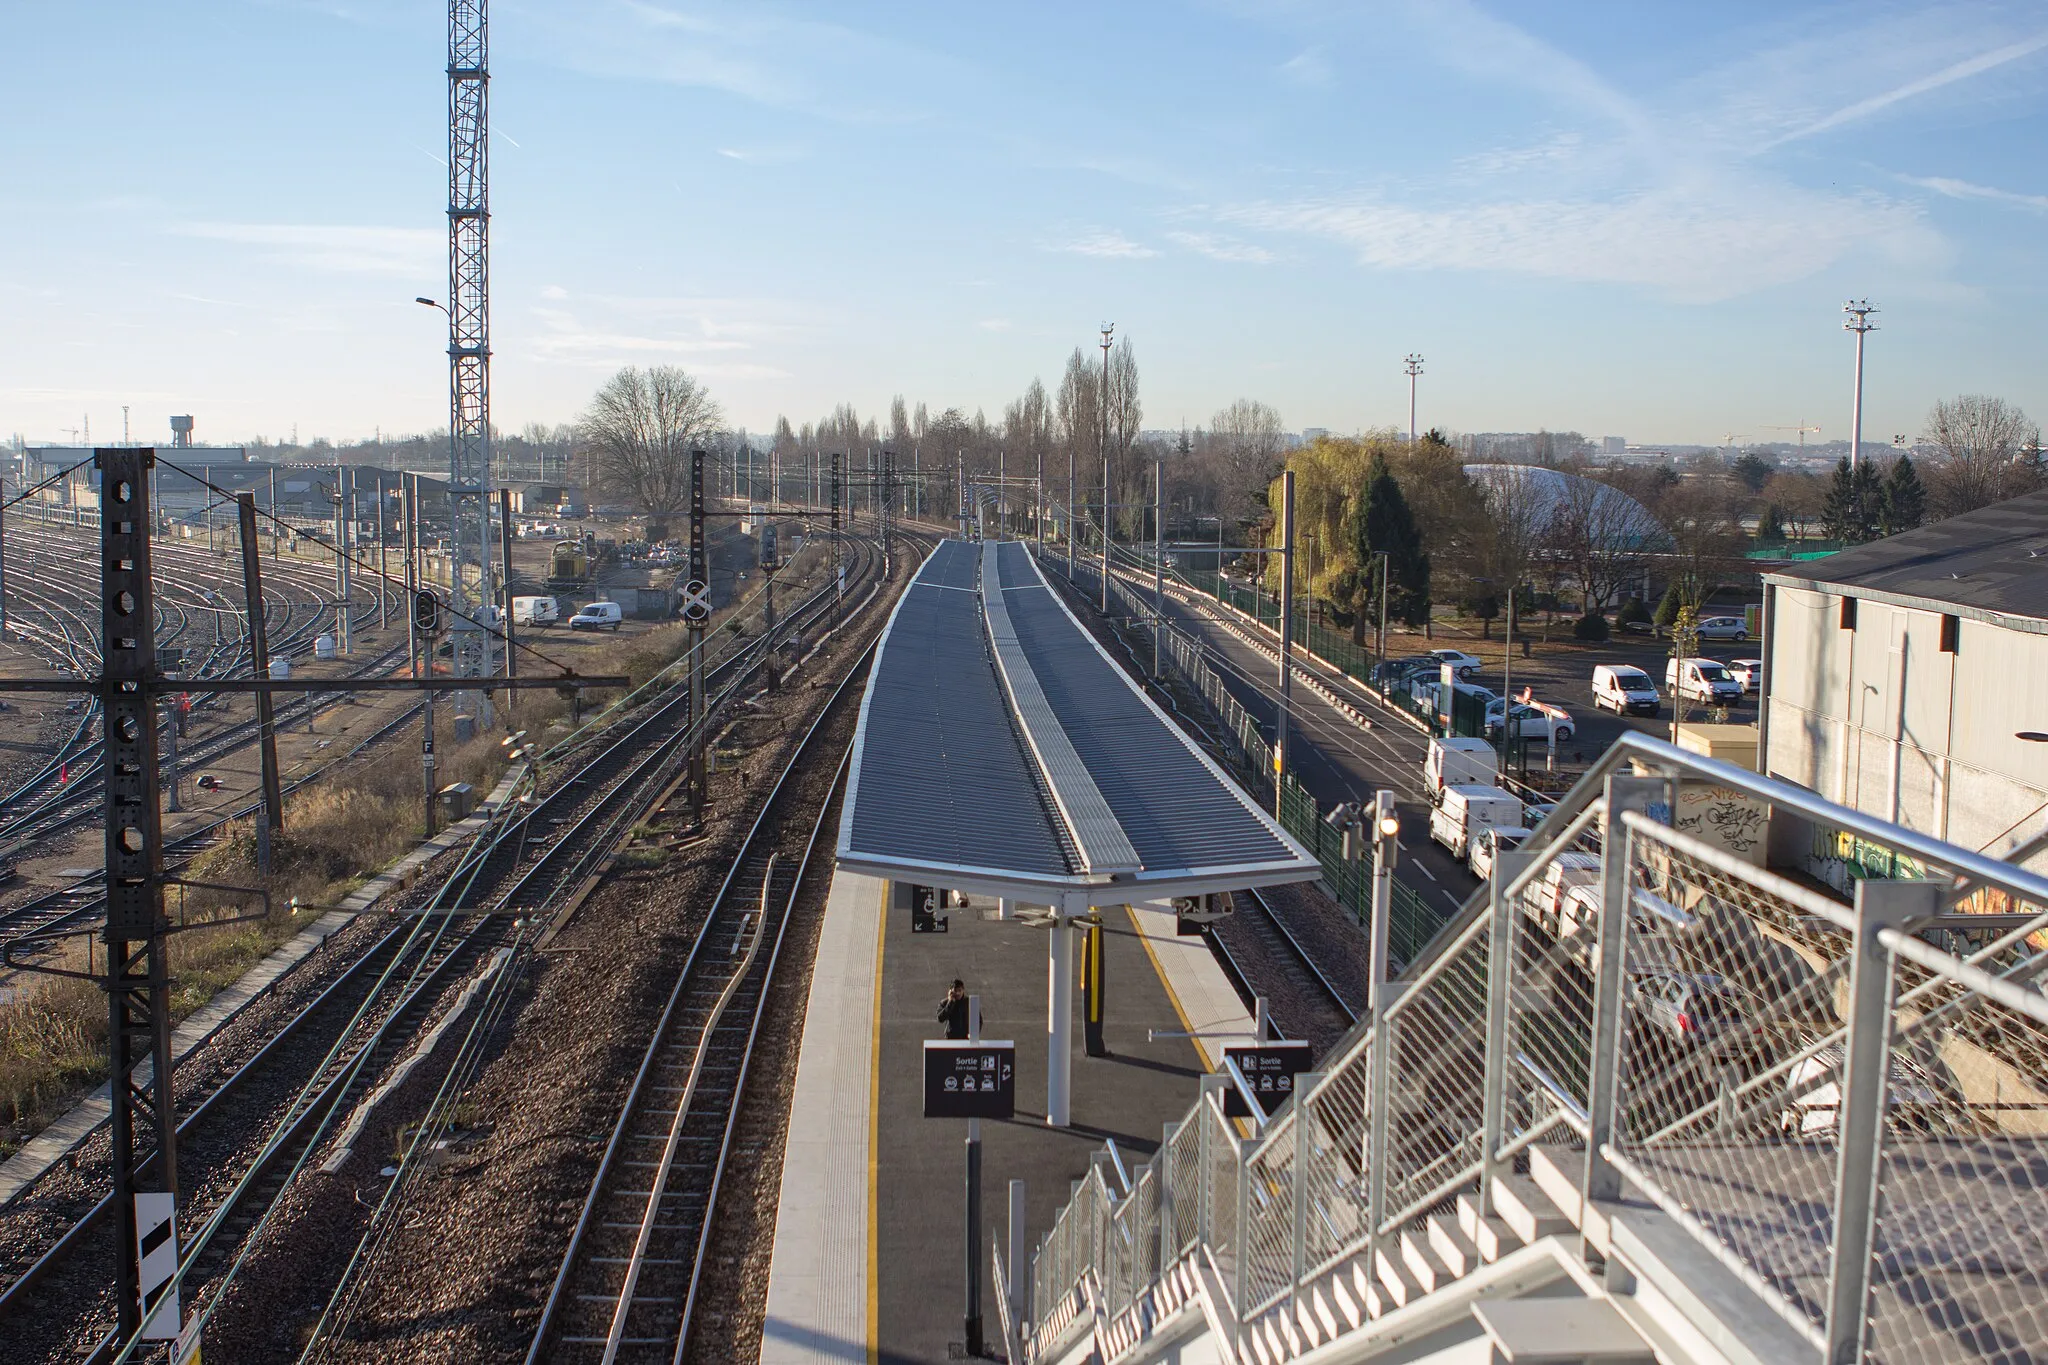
(969, 1080)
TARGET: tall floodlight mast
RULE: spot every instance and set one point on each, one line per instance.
(1857, 321)
(469, 333)
(1413, 364)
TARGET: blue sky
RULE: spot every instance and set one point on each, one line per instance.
(1624, 218)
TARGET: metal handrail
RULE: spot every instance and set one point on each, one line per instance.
(1246, 1185)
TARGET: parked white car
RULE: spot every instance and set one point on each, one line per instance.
(1533, 720)
(1723, 628)
(1465, 666)
(1748, 672)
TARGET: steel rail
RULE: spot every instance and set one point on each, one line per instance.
(688, 977)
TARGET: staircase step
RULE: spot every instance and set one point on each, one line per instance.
(1558, 1172)
(1396, 1281)
(1453, 1246)
(1527, 1209)
(1491, 1235)
(1423, 1263)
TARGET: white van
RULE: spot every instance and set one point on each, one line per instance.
(1458, 761)
(535, 611)
(598, 616)
(1703, 680)
(1624, 689)
(1467, 811)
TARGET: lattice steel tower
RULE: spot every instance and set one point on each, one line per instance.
(469, 330)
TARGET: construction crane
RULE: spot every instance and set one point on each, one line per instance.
(1802, 429)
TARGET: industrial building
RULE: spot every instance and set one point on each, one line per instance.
(1899, 677)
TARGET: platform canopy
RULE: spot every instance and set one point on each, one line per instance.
(1002, 751)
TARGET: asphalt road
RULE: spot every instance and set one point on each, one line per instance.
(1333, 757)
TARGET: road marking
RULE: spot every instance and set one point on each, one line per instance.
(1425, 871)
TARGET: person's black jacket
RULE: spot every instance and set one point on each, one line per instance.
(953, 1014)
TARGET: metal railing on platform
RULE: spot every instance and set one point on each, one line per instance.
(1850, 1119)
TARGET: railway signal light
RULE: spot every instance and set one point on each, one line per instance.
(426, 612)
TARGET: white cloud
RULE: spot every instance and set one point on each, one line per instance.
(1308, 67)
(1963, 189)
(762, 156)
(748, 51)
(1222, 248)
(553, 291)
(1539, 156)
(1947, 75)
(1693, 242)
(1108, 244)
(994, 324)
(350, 250)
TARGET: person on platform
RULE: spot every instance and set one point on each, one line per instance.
(953, 1010)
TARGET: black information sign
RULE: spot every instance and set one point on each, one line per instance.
(1269, 1069)
(969, 1080)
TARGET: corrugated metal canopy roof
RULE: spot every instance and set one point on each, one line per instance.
(1001, 750)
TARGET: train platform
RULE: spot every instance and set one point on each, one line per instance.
(869, 1259)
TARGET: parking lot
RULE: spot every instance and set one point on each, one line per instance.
(1560, 670)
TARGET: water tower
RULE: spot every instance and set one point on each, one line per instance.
(181, 430)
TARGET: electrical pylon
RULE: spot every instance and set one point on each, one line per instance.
(469, 332)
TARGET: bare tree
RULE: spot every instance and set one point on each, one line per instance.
(1132, 485)
(1518, 512)
(1704, 519)
(1248, 440)
(1990, 451)
(638, 432)
(901, 438)
(1600, 536)
(1080, 427)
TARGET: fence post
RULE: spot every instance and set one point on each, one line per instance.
(1168, 1247)
(1602, 1181)
(1500, 946)
(1866, 1067)
(1302, 1085)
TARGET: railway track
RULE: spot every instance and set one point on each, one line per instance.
(628, 1281)
(1309, 988)
(499, 890)
(41, 805)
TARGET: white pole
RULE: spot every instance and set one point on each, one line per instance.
(1859, 311)
(1059, 1016)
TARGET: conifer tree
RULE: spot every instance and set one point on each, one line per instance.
(1381, 523)
(1903, 504)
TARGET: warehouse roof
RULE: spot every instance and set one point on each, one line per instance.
(1990, 564)
(1001, 750)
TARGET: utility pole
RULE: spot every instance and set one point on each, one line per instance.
(697, 621)
(1037, 520)
(1857, 321)
(384, 562)
(272, 819)
(1414, 367)
(1280, 754)
(1158, 558)
(138, 984)
(1103, 403)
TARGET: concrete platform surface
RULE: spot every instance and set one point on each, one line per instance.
(898, 1293)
